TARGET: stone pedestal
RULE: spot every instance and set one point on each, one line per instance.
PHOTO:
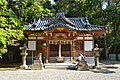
(24, 67)
(37, 65)
(82, 66)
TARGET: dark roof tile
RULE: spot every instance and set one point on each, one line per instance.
(78, 24)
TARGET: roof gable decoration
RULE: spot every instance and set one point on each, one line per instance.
(60, 21)
(85, 21)
(36, 21)
(62, 17)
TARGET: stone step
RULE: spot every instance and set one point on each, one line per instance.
(54, 59)
(37, 65)
(60, 66)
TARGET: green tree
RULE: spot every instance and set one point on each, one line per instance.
(10, 27)
(27, 10)
(14, 14)
(112, 15)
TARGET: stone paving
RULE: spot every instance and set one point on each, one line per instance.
(54, 74)
(107, 72)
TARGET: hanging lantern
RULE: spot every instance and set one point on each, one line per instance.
(67, 42)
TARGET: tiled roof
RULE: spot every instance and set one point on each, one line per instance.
(78, 24)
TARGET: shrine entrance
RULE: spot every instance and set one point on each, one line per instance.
(57, 50)
(65, 50)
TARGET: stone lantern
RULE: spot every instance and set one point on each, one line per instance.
(24, 54)
(96, 56)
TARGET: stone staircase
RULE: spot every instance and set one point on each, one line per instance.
(54, 60)
(60, 66)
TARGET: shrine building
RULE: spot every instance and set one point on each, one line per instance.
(62, 39)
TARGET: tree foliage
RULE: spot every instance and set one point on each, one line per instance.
(27, 10)
(10, 27)
(112, 21)
(93, 9)
(13, 15)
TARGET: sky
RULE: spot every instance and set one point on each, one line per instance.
(52, 1)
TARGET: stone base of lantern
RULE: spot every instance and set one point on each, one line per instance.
(24, 67)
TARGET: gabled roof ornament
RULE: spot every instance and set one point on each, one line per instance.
(60, 19)
(59, 15)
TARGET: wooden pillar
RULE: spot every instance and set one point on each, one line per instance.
(59, 50)
(84, 45)
(48, 51)
(72, 52)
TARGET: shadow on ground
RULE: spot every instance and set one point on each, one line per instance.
(109, 62)
(105, 71)
(9, 67)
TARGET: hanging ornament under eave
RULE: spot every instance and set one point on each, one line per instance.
(52, 42)
(64, 42)
(67, 42)
(73, 34)
(46, 34)
(68, 34)
(56, 42)
(49, 42)
(50, 34)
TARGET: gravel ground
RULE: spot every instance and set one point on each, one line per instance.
(110, 71)
(54, 74)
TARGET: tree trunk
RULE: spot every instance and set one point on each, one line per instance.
(116, 54)
(106, 53)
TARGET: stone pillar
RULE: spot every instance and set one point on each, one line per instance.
(24, 54)
(96, 56)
